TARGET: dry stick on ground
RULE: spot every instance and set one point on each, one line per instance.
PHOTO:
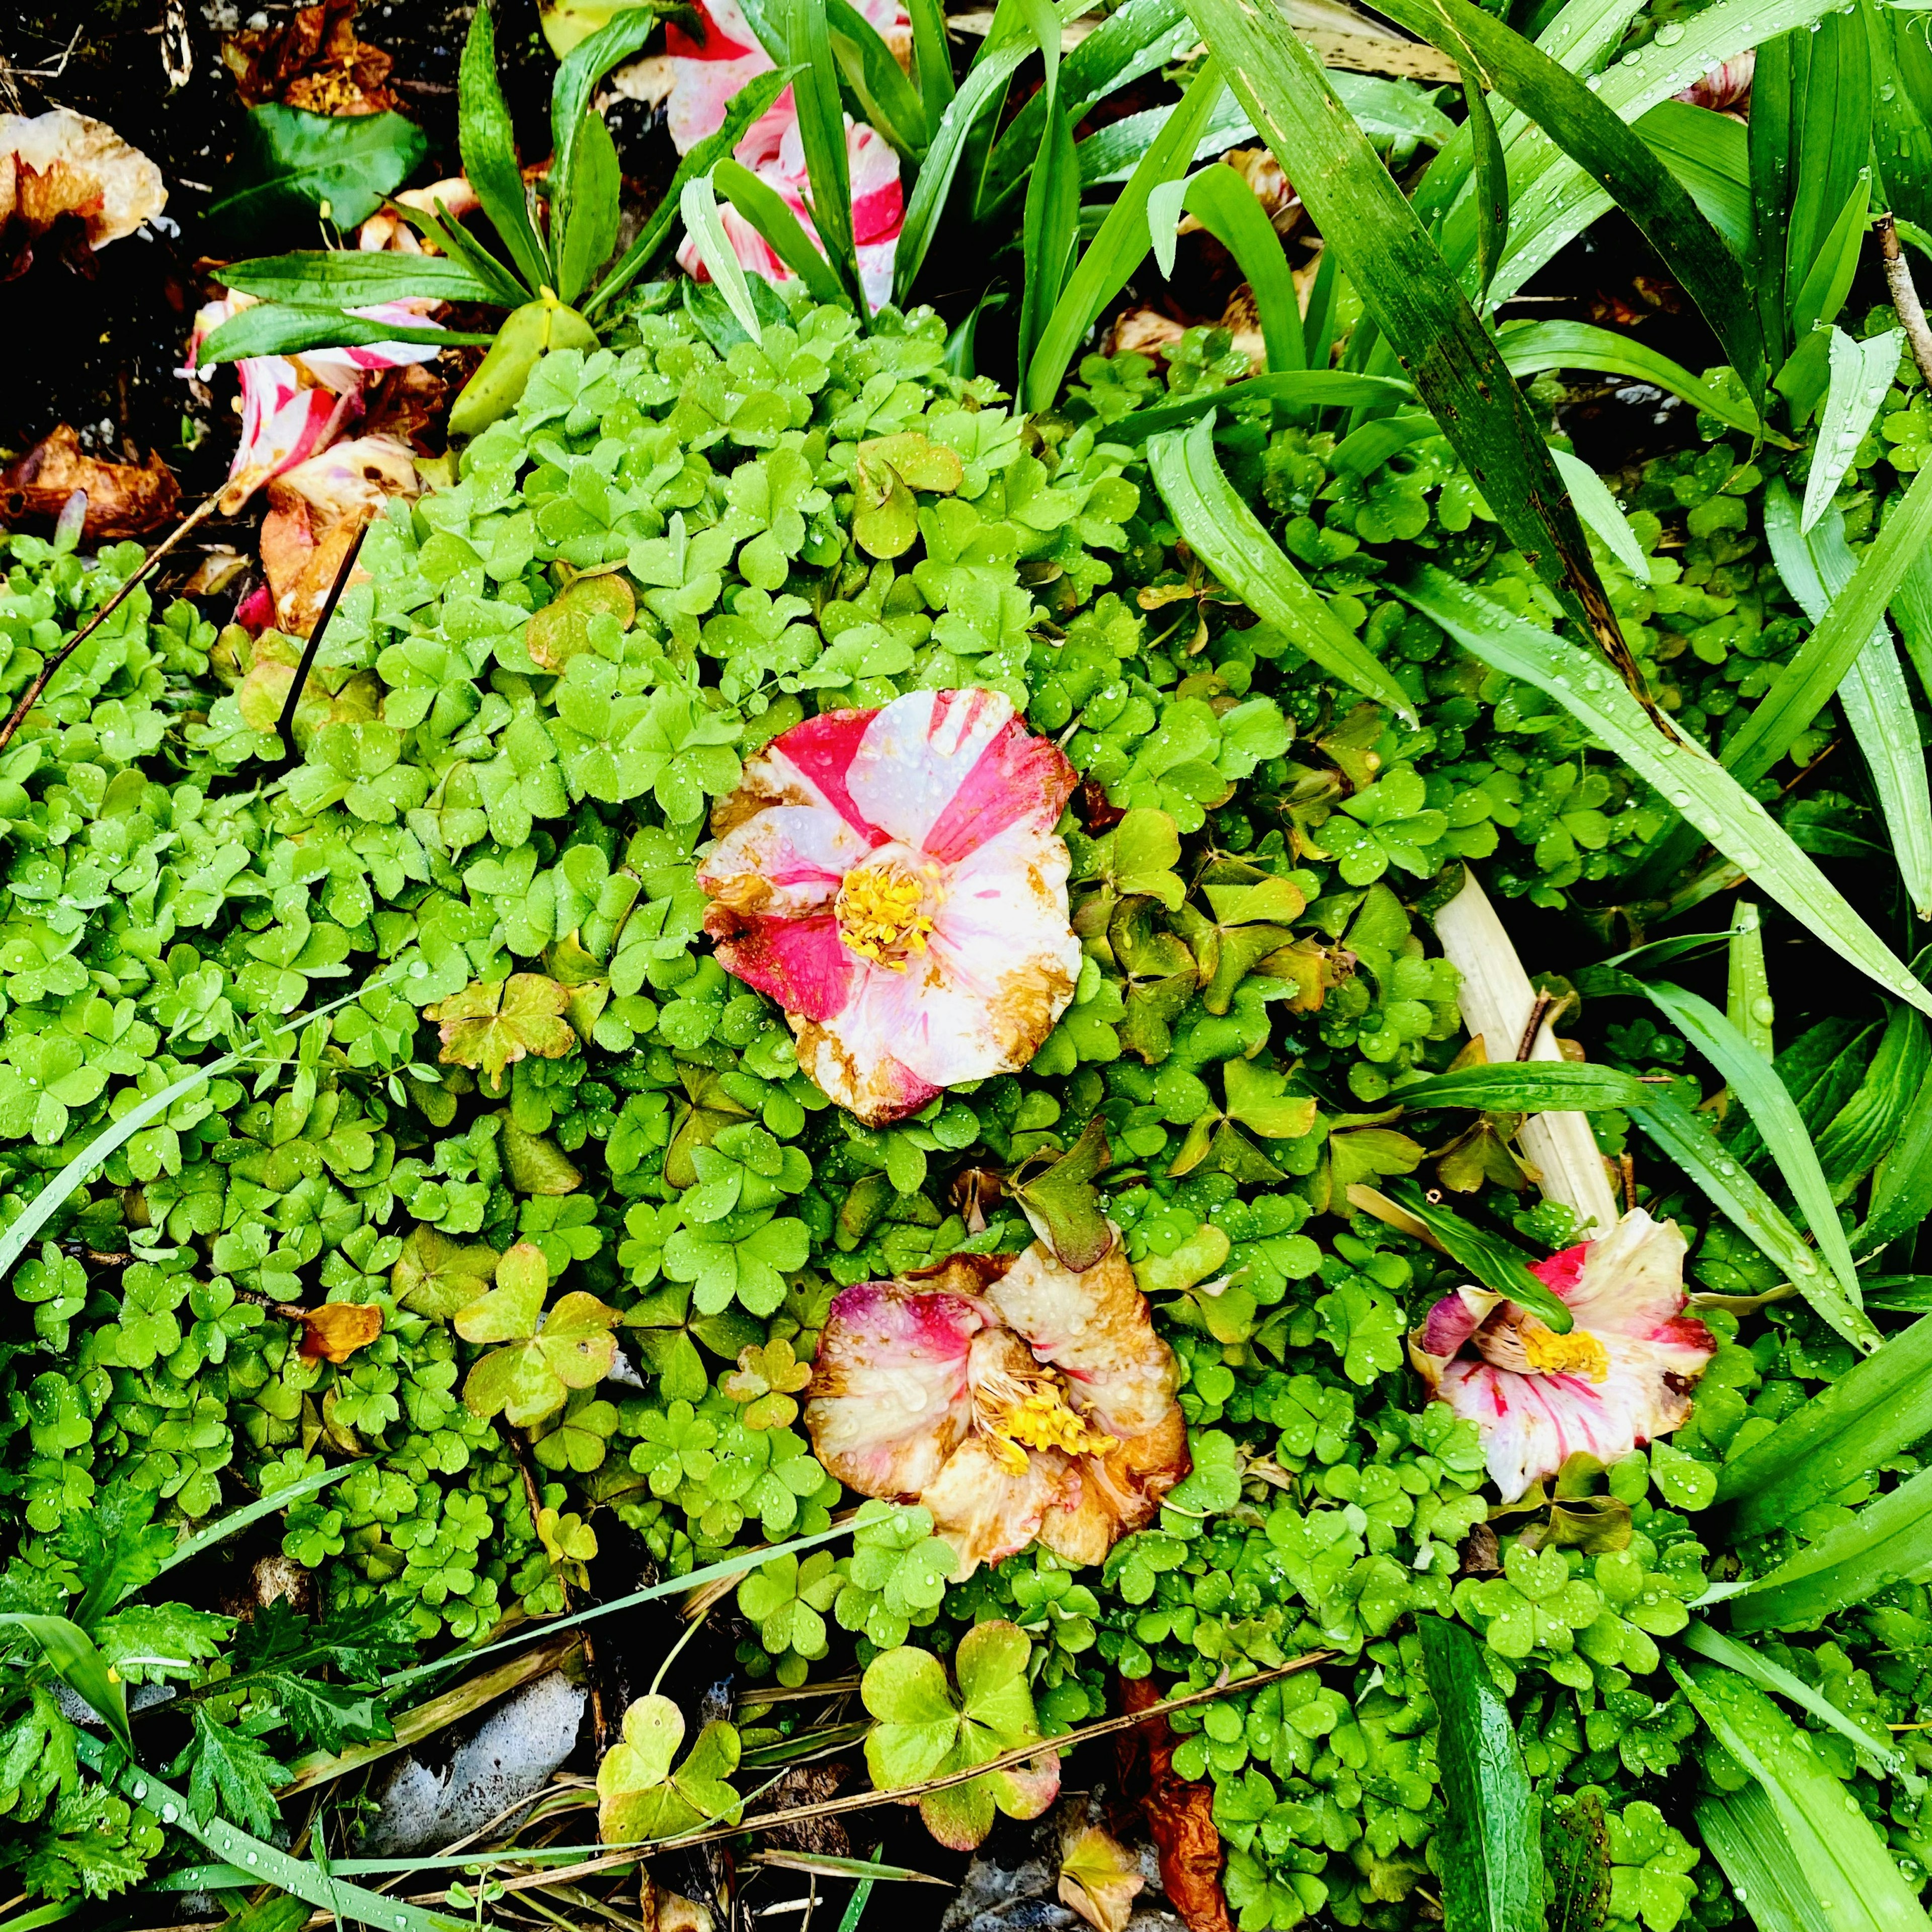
(862, 1800)
(32, 694)
(1905, 296)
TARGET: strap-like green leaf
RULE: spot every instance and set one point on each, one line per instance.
(1694, 783)
(770, 214)
(1889, 1541)
(236, 1521)
(350, 277)
(1500, 1265)
(1849, 1881)
(821, 128)
(1229, 538)
(1492, 1847)
(1316, 389)
(748, 105)
(1224, 204)
(1529, 348)
(1411, 294)
(891, 103)
(583, 190)
(287, 329)
(699, 206)
(1121, 244)
(1843, 1433)
(1527, 1087)
(1614, 154)
(488, 143)
(71, 1654)
(1817, 564)
(264, 1863)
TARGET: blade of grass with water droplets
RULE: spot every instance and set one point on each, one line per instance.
(1692, 781)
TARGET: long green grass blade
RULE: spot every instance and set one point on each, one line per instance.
(1529, 348)
(1573, 116)
(1121, 245)
(1317, 388)
(1498, 1263)
(770, 214)
(821, 128)
(1880, 1751)
(1706, 151)
(1889, 1541)
(1747, 1004)
(71, 1655)
(1764, 1097)
(1816, 565)
(1843, 1433)
(265, 1864)
(351, 278)
(750, 103)
(1527, 1087)
(287, 329)
(582, 207)
(488, 143)
(1743, 1833)
(891, 103)
(1598, 509)
(932, 62)
(1852, 1882)
(1554, 199)
(1229, 538)
(1861, 372)
(1226, 206)
(223, 1528)
(1491, 180)
(1492, 1857)
(1686, 1140)
(699, 206)
(1409, 291)
(1806, 682)
(1692, 782)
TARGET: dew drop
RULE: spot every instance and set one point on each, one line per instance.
(168, 1814)
(140, 1792)
(1669, 34)
(254, 1858)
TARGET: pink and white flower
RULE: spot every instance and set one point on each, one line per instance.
(892, 879)
(1621, 1378)
(1726, 85)
(1017, 1399)
(708, 70)
(294, 406)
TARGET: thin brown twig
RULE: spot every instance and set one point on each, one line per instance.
(1905, 296)
(1539, 1011)
(31, 696)
(862, 1800)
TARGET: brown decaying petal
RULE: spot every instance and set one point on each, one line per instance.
(62, 164)
(1180, 1815)
(336, 1329)
(124, 499)
(314, 62)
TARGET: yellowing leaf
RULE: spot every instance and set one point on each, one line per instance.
(492, 1022)
(1097, 1878)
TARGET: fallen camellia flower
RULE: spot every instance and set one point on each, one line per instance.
(314, 512)
(1620, 1379)
(337, 1329)
(294, 406)
(708, 69)
(892, 879)
(61, 164)
(1014, 1398)
(313, 62)
(124, 499)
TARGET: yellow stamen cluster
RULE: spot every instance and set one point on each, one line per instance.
(1042, 1419)
(880, 915)
(1578, 1353)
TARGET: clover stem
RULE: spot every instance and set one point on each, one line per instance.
(691, 1631)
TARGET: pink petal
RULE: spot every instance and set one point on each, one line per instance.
(1632, 1281)
(785, 860)
(878, 201)
(920, 750)
(889, 1402)
(1452, 1321)
(1020, 779)
(807, 765)
(1562, 1271)
(801, 962)
(343, 370)
(283, 422)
